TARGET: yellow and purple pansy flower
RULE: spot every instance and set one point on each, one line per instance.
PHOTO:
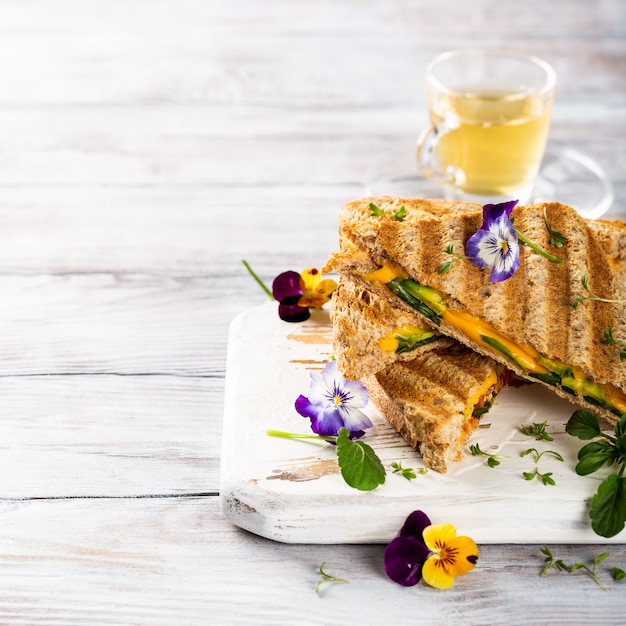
(297, 293)
(431, 552)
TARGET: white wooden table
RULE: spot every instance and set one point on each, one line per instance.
(146, 147)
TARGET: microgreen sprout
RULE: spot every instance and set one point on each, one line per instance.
(545, 478)
(584, 280)
(557, 239)
(524, 240)
(327, 578)
(448, 265)
(559, 564)
(538, 431)
(406, 472)
(607, 508)
(377, 212)
(609, 340)
(492, 459)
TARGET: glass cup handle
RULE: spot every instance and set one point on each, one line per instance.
(427, 146)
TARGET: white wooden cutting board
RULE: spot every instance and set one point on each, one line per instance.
(292, 491)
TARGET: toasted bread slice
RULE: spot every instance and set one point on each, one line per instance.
(370, 331)
(435, 400)
(529, 321)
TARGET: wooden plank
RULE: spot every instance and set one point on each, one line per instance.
(113, 436)
(163, 561)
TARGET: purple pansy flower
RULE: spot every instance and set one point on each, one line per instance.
(495, 245)
(297, 292)
(432, 552)
(334, 403)
(406, 554)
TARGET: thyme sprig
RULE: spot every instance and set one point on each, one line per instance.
(609, 340)
(327, 578)
(584, 279)
(551, 562)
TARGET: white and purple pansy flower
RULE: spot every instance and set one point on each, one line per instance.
(495, 244)
(334, 403)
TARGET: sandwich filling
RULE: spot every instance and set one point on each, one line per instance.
(407, 338)
(430, 303)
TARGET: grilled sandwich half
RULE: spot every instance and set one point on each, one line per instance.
(431, 389)
(527, 323)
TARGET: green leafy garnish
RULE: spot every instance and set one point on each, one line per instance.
(609, 340)
(607, 508)
(360, 466)
(492, 459)
(584, 280)
(406, 472)
(546, 478)
(327, 578)
(557, 239)
(524, 240)
(559, 564)
(376, 211)
(448, 265)
(538, 431)
(618, 574)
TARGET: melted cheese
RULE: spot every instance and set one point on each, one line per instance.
(475, 329)
(385, 274)
(491, 381)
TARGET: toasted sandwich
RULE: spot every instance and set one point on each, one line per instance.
(548, 322)
(429, 387)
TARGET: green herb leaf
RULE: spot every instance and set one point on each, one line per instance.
(375, 211)
(608, 507)
(360, 466)
(584, 425)
(399, 215)
(406, 472)
(538, 431)
(618, 574)
(593, 456)
(557, 239)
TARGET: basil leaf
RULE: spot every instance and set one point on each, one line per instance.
(360, 467)
(584, 425)
(608, 507)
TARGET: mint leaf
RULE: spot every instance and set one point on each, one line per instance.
(608, 507)
(584, 425)
(360, 466)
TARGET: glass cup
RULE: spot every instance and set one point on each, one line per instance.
(489, 118)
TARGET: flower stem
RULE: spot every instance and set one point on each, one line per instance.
(258, 280)
(284, 435)
(537, 249)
